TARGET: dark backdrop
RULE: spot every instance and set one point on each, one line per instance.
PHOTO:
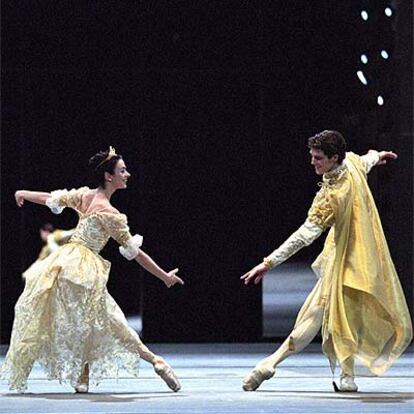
(210, 102)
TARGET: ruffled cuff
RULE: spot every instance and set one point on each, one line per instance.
(53, 202)
(130, 250)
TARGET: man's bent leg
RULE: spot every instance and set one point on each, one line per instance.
(303, 333)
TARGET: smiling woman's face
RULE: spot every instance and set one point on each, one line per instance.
(120, 176)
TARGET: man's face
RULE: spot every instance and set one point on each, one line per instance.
(321, 162)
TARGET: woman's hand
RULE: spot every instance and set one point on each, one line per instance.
(19, 197)
(173, 279)
(384, 155)
(257, 273)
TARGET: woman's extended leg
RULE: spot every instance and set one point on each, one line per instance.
(133, 343)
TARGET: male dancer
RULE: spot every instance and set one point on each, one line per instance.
(358, 300)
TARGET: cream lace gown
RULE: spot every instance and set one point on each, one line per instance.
(65, 316)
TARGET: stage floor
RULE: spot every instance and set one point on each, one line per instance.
(211, 377)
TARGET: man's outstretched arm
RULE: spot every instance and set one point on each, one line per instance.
(373, 158)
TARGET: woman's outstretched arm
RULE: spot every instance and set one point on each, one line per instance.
(37, 197)
(170, 278)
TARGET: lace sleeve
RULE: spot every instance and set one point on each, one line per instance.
(60, 199)
(320, 217)
(302, 237)
(117, 227)
(370, 160)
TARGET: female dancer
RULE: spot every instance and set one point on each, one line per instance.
(358, 299)
(65, 318)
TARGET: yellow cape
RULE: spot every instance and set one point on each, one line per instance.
(366, 314)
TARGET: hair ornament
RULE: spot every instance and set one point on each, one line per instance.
(111, 153)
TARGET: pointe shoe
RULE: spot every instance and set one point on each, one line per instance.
(167, 374)
(346, 384)
(252, 381)
(81, 388)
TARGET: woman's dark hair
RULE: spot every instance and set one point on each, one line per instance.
(330, 142)
(100, 165)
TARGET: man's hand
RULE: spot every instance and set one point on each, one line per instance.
(257, 273)
(386, 155)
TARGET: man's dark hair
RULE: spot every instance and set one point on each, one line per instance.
(330, 142)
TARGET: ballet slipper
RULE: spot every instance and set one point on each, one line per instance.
(167, 374)
(252, 381)
(347, 384)
(82, 386)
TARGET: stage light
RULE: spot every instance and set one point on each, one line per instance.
(364, 59)
(384, 54)
(388, 12)
(362, 77)
(364, 15)
(380, 100)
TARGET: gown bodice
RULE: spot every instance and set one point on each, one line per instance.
(91, 231)
(95, 228)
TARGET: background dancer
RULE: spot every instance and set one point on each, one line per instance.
(52, 239)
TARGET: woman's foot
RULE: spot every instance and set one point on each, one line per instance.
(81, 388)
(167, 374)
(253, 380)
(82, 385)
